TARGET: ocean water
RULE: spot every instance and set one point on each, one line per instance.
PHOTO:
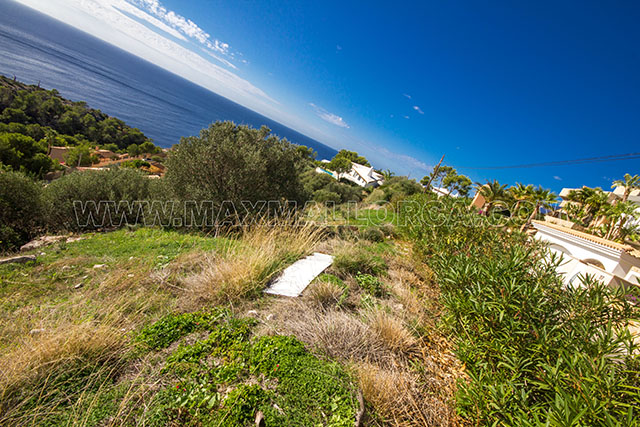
(36, 48)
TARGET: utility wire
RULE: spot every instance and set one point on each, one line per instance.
(611, 158)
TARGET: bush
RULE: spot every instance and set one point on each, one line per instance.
(106, 198)
(372, 234)
(24, 154)
(535, 352)
(326, 196)
(323, 188)
(21, 210)
(235, 164)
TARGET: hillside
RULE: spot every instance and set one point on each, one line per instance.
(33, 119)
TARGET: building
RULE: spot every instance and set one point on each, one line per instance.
(58, 153)
(441, 191)
(364, 176)
(610, 262)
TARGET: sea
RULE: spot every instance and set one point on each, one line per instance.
(36, 48)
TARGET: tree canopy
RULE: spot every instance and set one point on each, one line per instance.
(236, 164)
(43, 118)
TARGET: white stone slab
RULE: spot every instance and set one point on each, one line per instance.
(295, 278)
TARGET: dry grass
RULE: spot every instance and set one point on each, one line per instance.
(401, 400)
(44, 358)
(325, 294)
(243, 269)
(392, 332)
(408, 376)
(333, 333)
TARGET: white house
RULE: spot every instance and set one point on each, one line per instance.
(362, 175)
(583, 253)
(441, 191)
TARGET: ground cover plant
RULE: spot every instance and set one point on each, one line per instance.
(535, 351)
(227, 378)
(78, 308)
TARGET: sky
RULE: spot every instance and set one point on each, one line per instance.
(487, 84)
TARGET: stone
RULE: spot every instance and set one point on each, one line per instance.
(36, 331)
(100, 266)
(41, 241)
(18, 259)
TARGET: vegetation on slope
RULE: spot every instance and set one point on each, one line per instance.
(535, 352)
(33, 119)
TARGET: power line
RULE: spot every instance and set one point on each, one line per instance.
(611, 158)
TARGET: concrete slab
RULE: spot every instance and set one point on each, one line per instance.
(295, 278)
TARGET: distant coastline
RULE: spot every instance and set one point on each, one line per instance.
(164, 106)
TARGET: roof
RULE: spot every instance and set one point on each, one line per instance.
(367, 173)
(58, 153)
(592, 238)
(444, 191)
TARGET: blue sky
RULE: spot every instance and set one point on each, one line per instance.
(485, 83)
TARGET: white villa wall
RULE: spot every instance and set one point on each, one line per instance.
(610, 259)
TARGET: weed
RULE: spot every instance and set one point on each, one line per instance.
(173, 326)
(371, 284)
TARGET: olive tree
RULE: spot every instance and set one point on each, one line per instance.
(240, 166)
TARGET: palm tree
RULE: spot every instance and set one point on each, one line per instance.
(618, 214)
(541, 198)
(520, 193)
(492, 192)
(629, 183)
(593, 200)
(388, 174)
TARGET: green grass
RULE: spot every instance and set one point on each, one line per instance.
(61, 266)
(373, 217)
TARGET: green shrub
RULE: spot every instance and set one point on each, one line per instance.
(326, 196)
(535, 352)
(372, 234)
(236, 165)
(105, 197)
(322, 188)
(21, 209)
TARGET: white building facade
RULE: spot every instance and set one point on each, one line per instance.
(613, 263)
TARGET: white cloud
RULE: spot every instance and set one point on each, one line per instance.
(415, 107)
(111, 21)
(411, 162)
(329, 117)
(185, 26)
(406, 95)
(557, 178)
(406, 117)
(171, 42)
